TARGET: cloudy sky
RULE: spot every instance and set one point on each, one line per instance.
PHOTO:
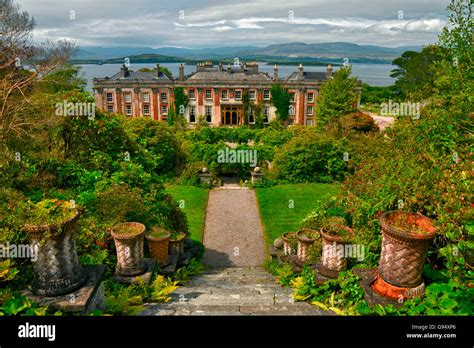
(216, 23)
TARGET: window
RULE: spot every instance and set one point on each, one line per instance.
(309, 110)
(146, 109)
(146, 98)
(224, 94)
(110, 108)
(310, 97)
(238, 94)
(164, 110)
(266, 94)
(192, 94)
(208, 94)
(251, 116)
(252, 95)
(209, 114)
(110, 98)
(266, 114)
(128, 98)
(309, 122)
(292, 97)
(128, 110)
(164, 97)
(192, 114)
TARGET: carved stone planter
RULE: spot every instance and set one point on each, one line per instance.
(158, 243)
(57, 269)
(176, 246)
(306, 238)
(405, 243)
(332, 260)
(128, 238)
(288, 241)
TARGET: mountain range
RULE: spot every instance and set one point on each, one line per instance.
(330, 50)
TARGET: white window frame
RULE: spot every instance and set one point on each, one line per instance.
(240, 92)
(266, 92)
(310, 100)
(192, 112)
(127, 97)
(111, 99)
(292, 97)
(253, 94)
(110, 108)
(192, 94)
(251, 113)
(210, 94)
(208, 110)
(309, 107)
(164, 97)
(164, 110)
(226, 92)
(149, 110)
(127, 112)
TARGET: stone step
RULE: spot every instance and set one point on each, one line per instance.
(230, 298)
(297, 308)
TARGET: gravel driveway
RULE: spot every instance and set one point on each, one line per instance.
(233, 235)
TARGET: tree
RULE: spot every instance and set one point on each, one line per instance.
(337, 97)
(281, 101)
(415, 77)
(181, 101)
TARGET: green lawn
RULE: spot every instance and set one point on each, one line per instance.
(193, 201)
(274, 203)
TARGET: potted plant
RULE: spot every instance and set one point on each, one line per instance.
(289, 243)
(51, 229)
(406, 238)
(128, 238)
(158, 242)
(306, 238)
(335, 235)
(176, 246)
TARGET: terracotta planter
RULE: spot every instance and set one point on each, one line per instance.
(332, 262)
(158, 247)
(176, 246)
(57, 269)
(288, 248)
(129, 246)
(405, 243)
(304, 243)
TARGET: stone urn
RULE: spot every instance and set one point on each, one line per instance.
(333, 260)
(406, 238)
(158, 244)
(176, 246)
(306, 238)
(128, 238)
(289, 239)
(56, 270)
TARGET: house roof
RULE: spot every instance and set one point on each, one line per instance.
(227, 76)
(307, 76)
(140, 75)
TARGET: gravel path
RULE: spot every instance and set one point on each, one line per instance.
(233, 235)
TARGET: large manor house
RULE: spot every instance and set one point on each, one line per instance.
(214, 92)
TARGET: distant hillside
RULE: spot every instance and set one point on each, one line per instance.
(330, 51)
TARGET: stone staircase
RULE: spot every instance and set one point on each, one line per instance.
(232, 291)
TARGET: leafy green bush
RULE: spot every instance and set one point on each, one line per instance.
(310, 157)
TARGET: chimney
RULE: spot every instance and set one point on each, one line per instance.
(157, 73)
(123, 71)
(275, 72)
(301, 69)
(220, 66)
(229, 68)
(181, 72)
(329, 71)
